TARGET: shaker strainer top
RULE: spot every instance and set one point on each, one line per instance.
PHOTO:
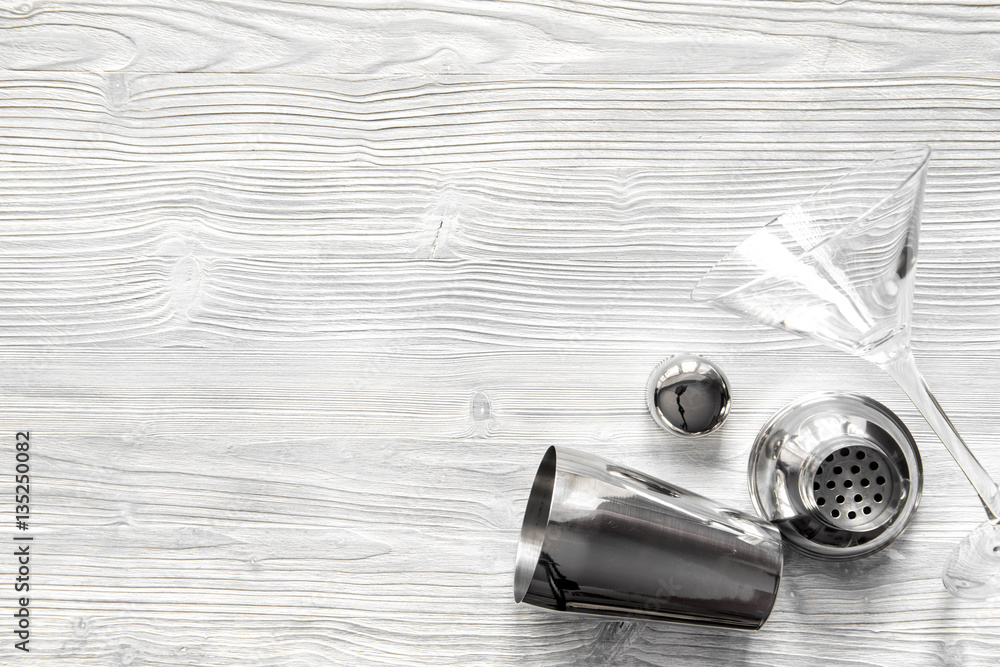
(854, 486)
(839, 474)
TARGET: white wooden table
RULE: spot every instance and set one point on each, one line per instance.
(295, 296)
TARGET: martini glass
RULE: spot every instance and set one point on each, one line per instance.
(839, 268)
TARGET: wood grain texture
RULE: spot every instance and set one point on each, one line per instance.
(279, 510)
(264, 435)
(456, 121)
(479, 36)
(296, 295)
(216, 255)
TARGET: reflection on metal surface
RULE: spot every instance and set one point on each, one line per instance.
(602, 539)
(688, 395)
(839, 474)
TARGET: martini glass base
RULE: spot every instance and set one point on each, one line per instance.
(973, 569)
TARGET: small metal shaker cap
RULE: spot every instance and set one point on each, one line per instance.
(688, 395)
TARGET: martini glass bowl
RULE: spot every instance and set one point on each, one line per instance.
(839, 268)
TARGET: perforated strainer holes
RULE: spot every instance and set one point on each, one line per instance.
(846, 489)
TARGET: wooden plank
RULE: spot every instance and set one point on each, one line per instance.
(477, 36)
(456, 122)
(211, 254)
(302, 507)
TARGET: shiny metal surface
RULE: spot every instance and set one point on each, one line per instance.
(598, 538)
(839, 474)
(688, 395)
(838, 267)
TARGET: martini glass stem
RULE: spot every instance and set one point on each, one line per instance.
(903, 369)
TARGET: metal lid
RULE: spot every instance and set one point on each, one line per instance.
(839, 474)
(688, 395)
